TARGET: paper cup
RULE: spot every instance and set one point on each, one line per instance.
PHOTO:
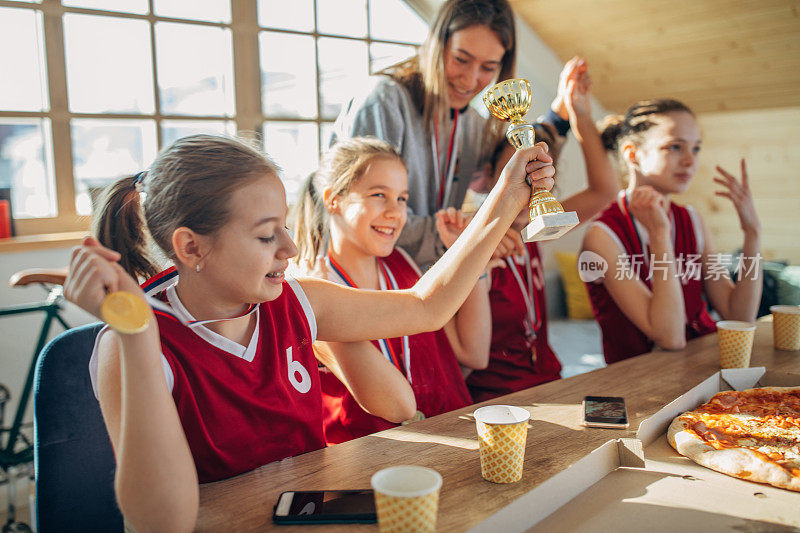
(406, 498)
(735, 343)
(786, 326)
(502, 431)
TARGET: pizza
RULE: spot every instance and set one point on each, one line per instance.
(752, 434)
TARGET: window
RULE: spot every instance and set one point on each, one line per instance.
(92, 89)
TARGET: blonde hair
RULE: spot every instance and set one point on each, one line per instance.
(340, 167)
(189, 185)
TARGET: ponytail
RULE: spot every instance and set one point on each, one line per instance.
(119, 225)
(310, 222)
(611, 130)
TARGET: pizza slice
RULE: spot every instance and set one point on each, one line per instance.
(752, 434)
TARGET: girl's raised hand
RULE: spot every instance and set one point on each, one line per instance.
(450, 223)
(739, 193)
(93, 273)
(578, 98)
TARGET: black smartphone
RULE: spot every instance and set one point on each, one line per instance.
(325, 507)
(605, 412)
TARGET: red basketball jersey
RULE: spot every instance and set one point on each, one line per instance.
(621, 338)
(243, 406)
(520, 355)
(435, 375)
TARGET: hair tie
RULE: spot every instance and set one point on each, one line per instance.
(138, 180)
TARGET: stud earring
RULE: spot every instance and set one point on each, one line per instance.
(197, 267)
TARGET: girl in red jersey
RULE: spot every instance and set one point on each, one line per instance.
(661, 261)
(240, 389)
(520, 355)
(356, 202)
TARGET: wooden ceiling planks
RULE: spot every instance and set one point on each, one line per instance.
(716, 55)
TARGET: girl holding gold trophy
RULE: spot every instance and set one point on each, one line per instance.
(221, 377)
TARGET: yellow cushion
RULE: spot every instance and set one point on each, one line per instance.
(578, 306)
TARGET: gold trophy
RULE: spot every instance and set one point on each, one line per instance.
(510, 100)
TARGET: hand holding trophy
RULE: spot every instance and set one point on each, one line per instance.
(510, 100)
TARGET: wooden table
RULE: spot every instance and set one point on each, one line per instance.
(448, 442)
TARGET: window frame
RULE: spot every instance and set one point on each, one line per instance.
(248, 115)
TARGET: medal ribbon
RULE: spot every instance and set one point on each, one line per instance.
(445, 180)
(387, 282)
(168, 277)
(534, 313)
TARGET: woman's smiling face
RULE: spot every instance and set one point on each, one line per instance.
(472, 59)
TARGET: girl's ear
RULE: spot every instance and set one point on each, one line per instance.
(330, 201)
(629, 153)
(191, 249)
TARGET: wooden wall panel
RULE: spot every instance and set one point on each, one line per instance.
(770, 141)
(716, 55)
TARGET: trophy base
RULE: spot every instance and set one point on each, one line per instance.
(549, 226)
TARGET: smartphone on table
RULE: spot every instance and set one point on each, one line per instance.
(605, 412)
(325, 507)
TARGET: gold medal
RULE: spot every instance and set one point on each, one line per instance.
(416, 418)
(125, 312)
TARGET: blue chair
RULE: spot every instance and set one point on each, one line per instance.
(73, 457)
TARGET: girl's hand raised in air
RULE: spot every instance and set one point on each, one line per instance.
(93, 273)
(742, 198)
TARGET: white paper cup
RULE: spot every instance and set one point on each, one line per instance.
(406, 498)
(502, 432)
(735, 343)
(786, 327)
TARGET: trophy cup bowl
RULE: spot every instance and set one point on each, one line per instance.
(510, 100)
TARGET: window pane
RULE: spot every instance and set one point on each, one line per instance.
(104, 150)
(195, 69)
(288, 80)
(26, 166)
(295, 15)
(123, 6)
(293, 146)
(208, 10)
(172, 130)
(22, 82)
(394, 20)
(108, 65)
(383, 55)
(343, 67)
(326, 132)
(342, 17)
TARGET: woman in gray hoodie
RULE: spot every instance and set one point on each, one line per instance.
(421, 106)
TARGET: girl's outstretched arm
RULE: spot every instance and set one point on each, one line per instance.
(345, 314)
(156, 481)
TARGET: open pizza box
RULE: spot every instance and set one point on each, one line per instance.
(644, 484)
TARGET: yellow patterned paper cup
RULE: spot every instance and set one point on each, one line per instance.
(786, 326)
(406, 498)
(502, 431)
(735, 343)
